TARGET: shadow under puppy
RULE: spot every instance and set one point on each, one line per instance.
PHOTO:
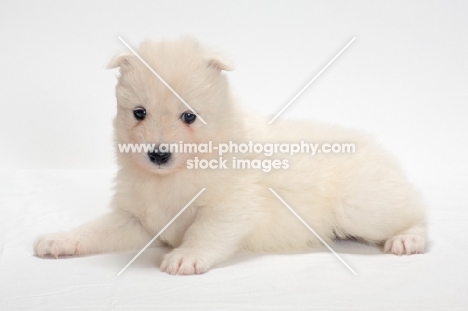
(363, 194)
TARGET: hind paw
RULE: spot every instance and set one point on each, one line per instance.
(405, 245)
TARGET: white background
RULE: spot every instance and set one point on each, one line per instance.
(404, 79)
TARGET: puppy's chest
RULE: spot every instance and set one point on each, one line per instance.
(157, 214)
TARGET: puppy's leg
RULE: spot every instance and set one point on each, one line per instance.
(388, 212)
(214, 235)
(116, 231)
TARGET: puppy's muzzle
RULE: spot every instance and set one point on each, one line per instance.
(159, 157)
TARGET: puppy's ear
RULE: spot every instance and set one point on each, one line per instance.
(121, 61)
(220, 62)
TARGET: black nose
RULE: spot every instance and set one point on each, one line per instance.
(159, 157)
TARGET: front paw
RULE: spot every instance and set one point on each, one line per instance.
(184, 262)
(57, 244)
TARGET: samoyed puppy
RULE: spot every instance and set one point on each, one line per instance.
(363, 194)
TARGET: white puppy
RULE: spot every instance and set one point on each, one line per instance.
(362, 194)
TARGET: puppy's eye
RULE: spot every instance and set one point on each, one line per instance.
(139, 113)
(188, 117)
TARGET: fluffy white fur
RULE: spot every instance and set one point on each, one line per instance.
(362, 195)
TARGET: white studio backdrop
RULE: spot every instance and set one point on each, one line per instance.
(404, 79)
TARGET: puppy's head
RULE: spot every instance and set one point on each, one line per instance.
(149, 114)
